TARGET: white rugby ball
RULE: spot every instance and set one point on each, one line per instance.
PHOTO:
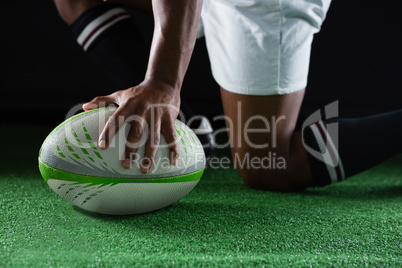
(76, 169)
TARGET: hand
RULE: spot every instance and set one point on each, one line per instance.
(150, 96)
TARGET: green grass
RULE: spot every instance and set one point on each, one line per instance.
(220, 223)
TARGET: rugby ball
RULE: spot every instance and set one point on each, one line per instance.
(74, 167)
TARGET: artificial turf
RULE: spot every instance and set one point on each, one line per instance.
(220, 223)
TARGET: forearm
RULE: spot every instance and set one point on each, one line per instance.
(176, 23)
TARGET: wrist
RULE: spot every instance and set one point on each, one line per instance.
(162, 83)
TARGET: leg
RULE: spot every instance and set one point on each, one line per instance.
(246, 115)
(342, 147)
(263, 127)
(263, 64)
(70, 10)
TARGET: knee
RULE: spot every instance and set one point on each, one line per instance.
(70, 10)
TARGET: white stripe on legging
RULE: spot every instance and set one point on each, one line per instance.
(335, 152)
(327, 158)
(100, 24)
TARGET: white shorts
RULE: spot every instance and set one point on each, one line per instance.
(261, 47)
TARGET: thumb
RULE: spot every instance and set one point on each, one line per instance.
(98, 102)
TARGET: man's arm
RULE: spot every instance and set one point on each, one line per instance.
(156, 100)
(176, 23)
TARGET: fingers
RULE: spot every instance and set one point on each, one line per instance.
(151, 145)
(169, 133)
(98, 102)
(153, 139)
(136, 108)
(112, 127)
(133, 139)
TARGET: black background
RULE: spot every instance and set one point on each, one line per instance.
(356, 59)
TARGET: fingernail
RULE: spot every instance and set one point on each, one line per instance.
(145, 164)
(85, 106)
(126, 163)
(174, 160)
(89, 106)
(102, 144)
